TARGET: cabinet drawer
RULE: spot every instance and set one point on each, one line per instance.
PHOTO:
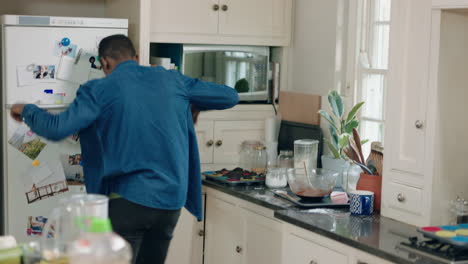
(303, 251)
(405, 198)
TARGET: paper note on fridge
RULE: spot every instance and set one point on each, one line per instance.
(41, 173)
(27, 142)
(35, 73)
(85, 67)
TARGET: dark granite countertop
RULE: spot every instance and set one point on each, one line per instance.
(376, 235)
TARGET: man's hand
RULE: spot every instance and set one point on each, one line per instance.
(195, 113)
(16, 111)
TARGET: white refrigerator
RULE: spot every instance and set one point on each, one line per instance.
(43, 61)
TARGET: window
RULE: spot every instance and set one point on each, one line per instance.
(373, 25)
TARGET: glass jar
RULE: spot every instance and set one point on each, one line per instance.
(305, 154)
(260, 160)
(286, 159)
(247, 154)
(276, 178)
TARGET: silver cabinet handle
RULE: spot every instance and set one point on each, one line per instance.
(219, 143)
(361, 262)
(209, 143)
(313, 262)
(201, 232)
(401, 198)
(238, 249)
(224, 7)
(216, 7)
(419, 124)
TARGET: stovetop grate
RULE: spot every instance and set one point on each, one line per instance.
(432, 247)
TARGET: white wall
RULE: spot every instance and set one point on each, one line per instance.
(318, 51)
(84, 8)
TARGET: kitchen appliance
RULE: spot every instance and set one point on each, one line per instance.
(44, 61)
(433, 251)
(245, 68)
(292, 131)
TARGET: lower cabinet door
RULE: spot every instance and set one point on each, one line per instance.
(223, 232)
(299, 250)
(262, 239)
(187, 242)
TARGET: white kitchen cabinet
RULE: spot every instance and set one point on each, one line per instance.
(245, 22)
(240, 232)
(220, 133)
(299, 249)
(185, 16)
(222, 237)
(187, 243)
(424, 166)
(229, 136)
(205, 140)
(262, 238)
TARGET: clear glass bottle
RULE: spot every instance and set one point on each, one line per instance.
(286, 159)
(260, 160)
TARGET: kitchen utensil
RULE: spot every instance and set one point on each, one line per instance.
(451, 234)
(249, 179)
(325, 202)
(286, 159)
(361, 202)
(371, 183)
(310, 184)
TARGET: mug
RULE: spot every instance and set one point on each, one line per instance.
(361, 202)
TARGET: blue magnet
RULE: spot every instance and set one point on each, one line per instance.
(81, 162)
(65, 42)
(49, 91)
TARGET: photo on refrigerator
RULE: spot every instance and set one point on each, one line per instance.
(43, 182)
(73, 169)
(27, 142)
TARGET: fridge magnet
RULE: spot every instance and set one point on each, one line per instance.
(44, 72)
(69, 50)
(73, 169)
(27, 142)
(43, 182)
(35, 226)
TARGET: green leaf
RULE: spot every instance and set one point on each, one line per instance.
(333, 150)
(350, 126)
(334, 136)
(343, 140)
(364, 141)
(352, 114)
(327, 117)
(336, 103)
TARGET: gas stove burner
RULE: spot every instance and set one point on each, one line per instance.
(434, 249)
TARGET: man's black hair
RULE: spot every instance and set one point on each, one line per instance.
(117, 47)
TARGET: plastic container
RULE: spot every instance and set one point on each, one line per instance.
(286, 159)
(276, 178)
(99, 245)
(69, 221)
(305, 154)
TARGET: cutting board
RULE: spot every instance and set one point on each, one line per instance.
(300, 107)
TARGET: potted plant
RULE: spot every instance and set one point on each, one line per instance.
(341, 127)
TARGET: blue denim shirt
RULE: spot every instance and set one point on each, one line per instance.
(137, 135)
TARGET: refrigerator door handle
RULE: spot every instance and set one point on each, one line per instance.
(46, 107)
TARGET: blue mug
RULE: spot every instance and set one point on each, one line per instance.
(361, 202)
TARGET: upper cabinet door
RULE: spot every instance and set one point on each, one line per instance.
(229, 136)
(204, 130)
(266, 18)
(183, 16)
(405, 134)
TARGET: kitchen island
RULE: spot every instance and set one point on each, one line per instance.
(334, 234)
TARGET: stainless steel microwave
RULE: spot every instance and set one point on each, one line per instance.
(244, 68)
